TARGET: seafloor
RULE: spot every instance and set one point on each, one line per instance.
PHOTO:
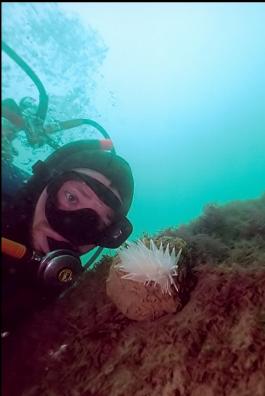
(215, 345)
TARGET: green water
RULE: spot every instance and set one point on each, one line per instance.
(179, 87)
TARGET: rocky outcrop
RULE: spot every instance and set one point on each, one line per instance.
(84, 346)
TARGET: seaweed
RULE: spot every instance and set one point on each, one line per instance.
(229, 233)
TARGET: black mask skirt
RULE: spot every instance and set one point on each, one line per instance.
(83, 226)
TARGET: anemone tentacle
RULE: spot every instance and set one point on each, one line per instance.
(149, 265)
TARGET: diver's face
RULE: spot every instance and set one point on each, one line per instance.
(72, 195)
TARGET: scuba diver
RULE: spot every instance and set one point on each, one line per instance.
(77, 199)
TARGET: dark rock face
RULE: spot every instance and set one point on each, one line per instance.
(83, 346)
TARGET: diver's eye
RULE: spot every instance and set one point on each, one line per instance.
(71, 198)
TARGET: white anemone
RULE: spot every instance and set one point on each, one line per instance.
(149, 265)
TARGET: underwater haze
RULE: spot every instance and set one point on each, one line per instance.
(180, 88)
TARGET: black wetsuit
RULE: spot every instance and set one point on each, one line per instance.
(21, 292)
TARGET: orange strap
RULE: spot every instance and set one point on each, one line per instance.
(13, 249)
(106, 144)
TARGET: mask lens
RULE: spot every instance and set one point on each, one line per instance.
(103, 192)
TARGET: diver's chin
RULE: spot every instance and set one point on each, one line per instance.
(58, 245)
(85, 248)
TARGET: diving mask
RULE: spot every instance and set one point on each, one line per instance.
(84, 226)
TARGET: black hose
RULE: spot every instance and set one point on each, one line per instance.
(43, 97)
(93, 258)
(85, 121)
(96, 126)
